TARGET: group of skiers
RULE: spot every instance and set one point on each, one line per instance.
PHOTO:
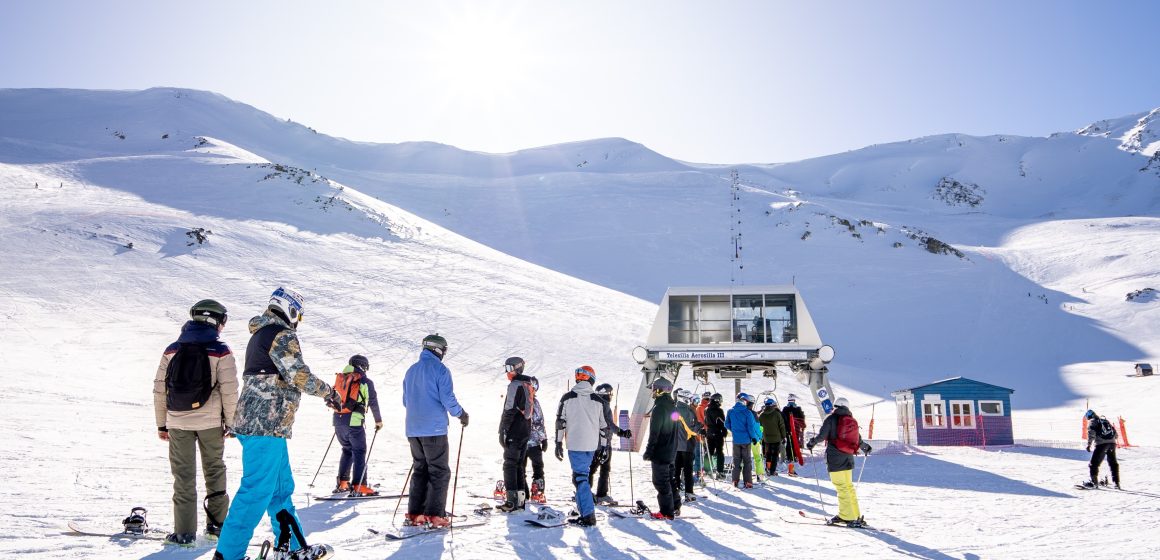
(198, 405)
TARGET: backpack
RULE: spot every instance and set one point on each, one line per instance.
(188, 382)
(847, 439)
(1104, 429)
(348, 385)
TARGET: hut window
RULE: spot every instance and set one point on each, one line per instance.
(991, 408)
(962, 415)
(932, 414)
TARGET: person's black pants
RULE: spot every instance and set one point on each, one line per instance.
(515, 455)
(662, 479)
(683, 471)
(771, 450)
(605, 469)
(1104, 450)
(429, 477)
(536, 455)
(717, 450)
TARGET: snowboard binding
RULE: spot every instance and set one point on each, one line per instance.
(538, 491)
(136, 524)
(500, 492)
(640, 509)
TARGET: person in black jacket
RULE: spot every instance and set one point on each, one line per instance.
(686, 446)
(515, 428)
(841, 463)
(1105, 447)
(602, 460)
(359, 397)
(663, 434)
(795, 429)
(715, 433)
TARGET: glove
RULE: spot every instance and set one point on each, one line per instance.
(463, 418)
(503, 439)
(163, 434)
(866, 448)
(227, 432)
(754, 442)
(810, 446)
(378, 426)
(603, 454)
(1089, 446)
(544, 446)
(559, 452)
(626, 434)
(332, 400)
(648, 456)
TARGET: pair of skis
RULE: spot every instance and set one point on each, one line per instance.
(807, 519)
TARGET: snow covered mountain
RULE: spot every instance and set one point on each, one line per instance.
(1005, 259)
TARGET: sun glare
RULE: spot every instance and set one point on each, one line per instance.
(480, 54)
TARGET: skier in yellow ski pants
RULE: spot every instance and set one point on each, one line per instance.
(840, 432)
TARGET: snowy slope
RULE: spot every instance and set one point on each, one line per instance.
(1037, 302)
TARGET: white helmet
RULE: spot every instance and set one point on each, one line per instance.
(288, 302)
(841, 401)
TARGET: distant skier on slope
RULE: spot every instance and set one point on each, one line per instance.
(602, 461)
(795, 425)
(275, 379)
(429, 397)
(746, 432)
(1103, 434)
(537, 445)
(356, 394)
(773, 434)
(195, 395)
(715, 433)
(840, 432)
(515, 429)
(581, 419)
(663, 434)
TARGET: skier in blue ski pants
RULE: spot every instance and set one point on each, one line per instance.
(267, 485)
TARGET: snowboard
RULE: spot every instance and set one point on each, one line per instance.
(625, 514)
(548, 517)
(152, 534)
(406, 532)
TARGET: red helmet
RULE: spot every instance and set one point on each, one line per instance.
(585, 373)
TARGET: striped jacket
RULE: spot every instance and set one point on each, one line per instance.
(218, 411)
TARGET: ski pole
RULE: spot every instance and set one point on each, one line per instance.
(323, 460)
(367, 462)
(814, 464)
(455, 484)
(403, 492)
(863, 469)
(631, 484)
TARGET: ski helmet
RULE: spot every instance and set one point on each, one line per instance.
(744, 397)
(288, 303)
(1089, 414)
(436, 344)
(585, 373)
(842, 401)
(706, 395)
(360, 363)
(661, 385)
(791, 399)
(770, 402)
(717, 398)
(535, 384)
(604, 390)
(208, 311)
(513, 366)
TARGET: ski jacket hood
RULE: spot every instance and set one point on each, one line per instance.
(743, 425)
(219, 410)
(268, 402)
(429, 396)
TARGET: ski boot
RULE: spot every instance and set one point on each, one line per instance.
(186, 540)
(341, 486)
(661, 516)
(605, 501)
(514, 501)
(538, 491)
(135, 524)
(500, 492)
(584, 520)
(414, 519)
(309, 552)
(690, 497)
(362, 490)
(438, 522)
(748, 485)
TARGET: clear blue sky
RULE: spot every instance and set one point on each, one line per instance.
(720, 82)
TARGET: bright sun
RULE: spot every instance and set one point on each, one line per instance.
(480, 55)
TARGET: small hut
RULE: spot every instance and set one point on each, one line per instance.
(956, 411)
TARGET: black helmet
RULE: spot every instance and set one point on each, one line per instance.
(706, 395)
(360, 363)
(208, 311)
(604, 390)
(513, 366)
(436, 344)
(717, 398)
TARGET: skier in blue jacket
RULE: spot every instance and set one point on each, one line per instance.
(746, 432)
(429, 397)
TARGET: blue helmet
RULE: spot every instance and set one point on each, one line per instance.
(745, 397)
(1089, 414)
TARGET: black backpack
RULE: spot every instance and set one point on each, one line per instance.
(188, 382)
(1105, 430)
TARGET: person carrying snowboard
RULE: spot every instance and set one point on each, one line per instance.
(356, 394)
(582, 419)
(773, 434)
(664, 433)
(429, 397)
(195, 395)
(537, 445)
(1103, 434)
(275, 378)
(746, 432)
(602, 461)
(840, 432)
(515, 430)
(715, 433)
(795, 426)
